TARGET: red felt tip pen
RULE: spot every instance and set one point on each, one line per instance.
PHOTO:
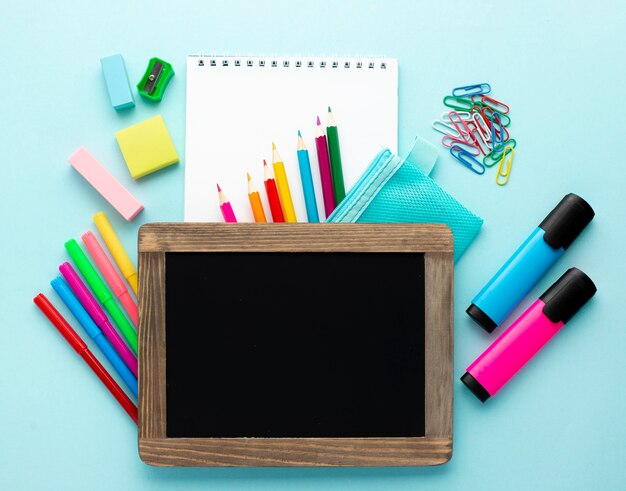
(81, 348)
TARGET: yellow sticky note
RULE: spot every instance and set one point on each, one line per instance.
(146, 147)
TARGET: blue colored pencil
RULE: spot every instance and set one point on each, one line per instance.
(307, 181)
(94, 332)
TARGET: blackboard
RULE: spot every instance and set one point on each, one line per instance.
(295, 344)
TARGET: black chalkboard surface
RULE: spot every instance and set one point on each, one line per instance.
(295, 344)
(277, 344)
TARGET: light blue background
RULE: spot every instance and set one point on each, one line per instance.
(560, 424)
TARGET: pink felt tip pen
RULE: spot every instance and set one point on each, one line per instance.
(99, 317)
(111, 275)
(528, 334)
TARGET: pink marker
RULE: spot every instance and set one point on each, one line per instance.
(528, 334)
(111, 275)
(98, 316)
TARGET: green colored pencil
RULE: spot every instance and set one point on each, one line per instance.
(335, 158)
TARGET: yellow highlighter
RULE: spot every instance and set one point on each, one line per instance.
(117, 250)
(283, 186)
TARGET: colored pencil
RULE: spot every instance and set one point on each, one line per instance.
(116, 249)
(272, 194)
(111, 276)
(325, 172)
(227, 209)
(334, 154)
(255, 201)
(307, 181)
(283, 186)
(81, 348)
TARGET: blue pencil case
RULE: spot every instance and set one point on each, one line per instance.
(399, 190)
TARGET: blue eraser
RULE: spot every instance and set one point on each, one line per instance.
(116, 79)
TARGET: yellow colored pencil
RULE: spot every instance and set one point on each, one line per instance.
(283, 186)
(255, 201)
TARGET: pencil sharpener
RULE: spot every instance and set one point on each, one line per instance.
(154, 81)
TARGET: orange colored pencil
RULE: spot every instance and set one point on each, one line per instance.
(255, 201)
(272, 194)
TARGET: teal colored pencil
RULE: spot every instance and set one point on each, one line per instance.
(307, 181)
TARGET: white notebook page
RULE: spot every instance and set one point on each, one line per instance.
(234, 113)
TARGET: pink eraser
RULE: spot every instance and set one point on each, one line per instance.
(105, 183)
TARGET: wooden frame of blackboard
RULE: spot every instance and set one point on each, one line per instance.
(433, 240)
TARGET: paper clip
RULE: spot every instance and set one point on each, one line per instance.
(507, 162)
(445, 128)
(460, 125)
(467, 160)
(487, 113)
(482, 145)
(471, 90)
(458, 103)
(464, 115)
(449, 141)
(494, 157)
(483, 127)
(497, 133)
(501, 107)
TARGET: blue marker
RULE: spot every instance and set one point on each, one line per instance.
(530, 261)
(307, 182)
(94, 332)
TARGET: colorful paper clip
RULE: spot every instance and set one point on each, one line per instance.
(466, 159)
(483, 127)
(471, 90)
(449, 141)
(494, 157)
(497, 132)
(487, 113)
(464, 115)
(501, 107)
(483, 145)
(505, 164)
(445, 128)
(458, 103)
(460, 125)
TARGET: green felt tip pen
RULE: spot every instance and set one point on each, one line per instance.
(102, 292)
(335, 159)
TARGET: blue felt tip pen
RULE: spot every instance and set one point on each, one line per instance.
(530, 261)
(94, 332)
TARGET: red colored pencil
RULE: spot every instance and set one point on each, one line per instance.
(272, 194)
(225, 206)
(81, 348)
(321, 145)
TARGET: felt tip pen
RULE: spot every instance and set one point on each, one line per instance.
(99, 317)
(74, 340)
(82, 316)
(528, 334)
(530, 261)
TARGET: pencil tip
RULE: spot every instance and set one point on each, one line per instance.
(329, 109)
(318, 121)
(273, 146)
(248, 175)
(299, 134)
(264, 163)
(219, 189)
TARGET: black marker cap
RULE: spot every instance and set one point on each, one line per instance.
(481, 318)
(473, 385)
(566, 221)
(567, 295)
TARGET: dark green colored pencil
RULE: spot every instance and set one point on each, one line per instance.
(335, 158)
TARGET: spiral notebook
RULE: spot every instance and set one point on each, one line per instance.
(238, 106)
